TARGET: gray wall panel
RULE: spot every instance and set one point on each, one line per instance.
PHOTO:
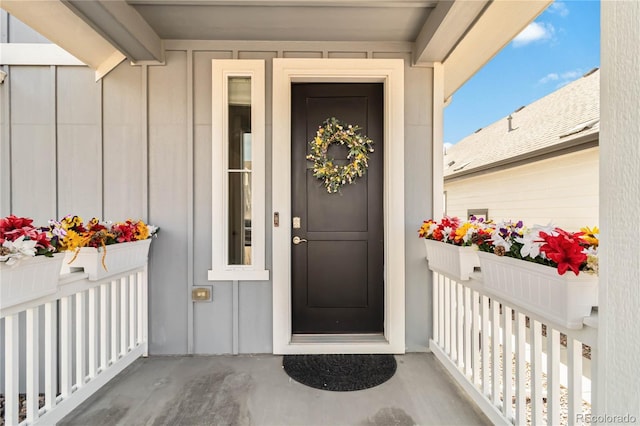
(33, 145)
(168, 204)
(123, 144)
(255, 303)
(79, 143)
(213, 322)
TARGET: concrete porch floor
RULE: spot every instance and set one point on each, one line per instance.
(255, 390)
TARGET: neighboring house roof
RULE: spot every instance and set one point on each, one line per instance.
(562, 120)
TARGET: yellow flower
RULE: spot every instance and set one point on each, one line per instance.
(72, 241)
(591, 235)
(142, 231)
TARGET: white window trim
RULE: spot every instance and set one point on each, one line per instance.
(222, 69)
(390, 72)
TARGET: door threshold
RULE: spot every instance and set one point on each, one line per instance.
(338, 338)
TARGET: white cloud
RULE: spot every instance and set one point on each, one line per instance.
(549, 77)
(535, 31)
(559, 8)
(562, 78)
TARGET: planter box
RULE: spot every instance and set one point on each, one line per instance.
(28, 279)
(564, 299)
(451, 260)
(120, 258)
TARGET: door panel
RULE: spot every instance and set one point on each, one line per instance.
(338, 275)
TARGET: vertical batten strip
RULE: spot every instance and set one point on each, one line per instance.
(104, 326)
(80, 339)
(50, 354)
(33, 364)
(66, 378)
(11, 369)
(553, 376)
(54, 138)
(486, 339)
(521, 394)
(507, 362)
(190, 201)
(93, 333)
(475, 338)
(468, 330)
(536, 372)
(495, 353)
(574, 385)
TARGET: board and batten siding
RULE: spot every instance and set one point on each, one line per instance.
(561, 190)
(138, 144)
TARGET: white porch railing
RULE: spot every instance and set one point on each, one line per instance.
(548, 379)
(75, 341)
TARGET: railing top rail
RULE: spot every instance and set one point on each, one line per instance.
(68, 284)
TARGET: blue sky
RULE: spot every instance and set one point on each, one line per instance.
(559, 46)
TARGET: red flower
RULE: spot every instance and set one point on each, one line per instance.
(13, 227)
(564, 249)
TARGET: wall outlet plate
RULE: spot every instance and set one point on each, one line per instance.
(202, 294)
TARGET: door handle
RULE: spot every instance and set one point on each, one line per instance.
(297, 240)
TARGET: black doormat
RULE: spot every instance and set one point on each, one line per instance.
(340, 372)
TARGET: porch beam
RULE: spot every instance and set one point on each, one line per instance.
(499, 23)
(444, 28)
(122, 26)
(60, 25)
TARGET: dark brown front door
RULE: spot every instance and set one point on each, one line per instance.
(338, 274)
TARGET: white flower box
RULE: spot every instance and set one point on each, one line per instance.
(28, 279)
(455, 261)
(120, 257)
(564, 299)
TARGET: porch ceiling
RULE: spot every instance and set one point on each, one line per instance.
(461, 34)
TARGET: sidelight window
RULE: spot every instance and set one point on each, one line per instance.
(238, 162)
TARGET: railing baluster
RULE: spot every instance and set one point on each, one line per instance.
(104, 326)
(436, 305)
(140, 310)
(81, 331)
(132, 311)
(123, 315)
(460, 325)
(114, 322)
(486, 338)
(447, 317)
(452, 322)
(536, 372)
(144, 279)
(495, 353)
(507, 362)
(574, 373)
(553, 376)
(33, 363)
(66, 378)
(93, 332)
(521, 392)
(50, 354)
(11, 369)
(468, 331)
(441, 310)
(476, 338)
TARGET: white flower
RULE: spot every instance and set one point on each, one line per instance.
(17, 249)
(530, 244)
(498, 241)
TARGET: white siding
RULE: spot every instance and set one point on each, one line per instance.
(562, 190)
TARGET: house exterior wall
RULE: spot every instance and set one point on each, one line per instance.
(561, 190)
(619, 293)
(138, 144)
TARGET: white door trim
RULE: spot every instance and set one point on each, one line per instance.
(390, 72)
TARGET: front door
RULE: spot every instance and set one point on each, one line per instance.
(338, 273)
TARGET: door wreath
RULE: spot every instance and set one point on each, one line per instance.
(324, 168)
